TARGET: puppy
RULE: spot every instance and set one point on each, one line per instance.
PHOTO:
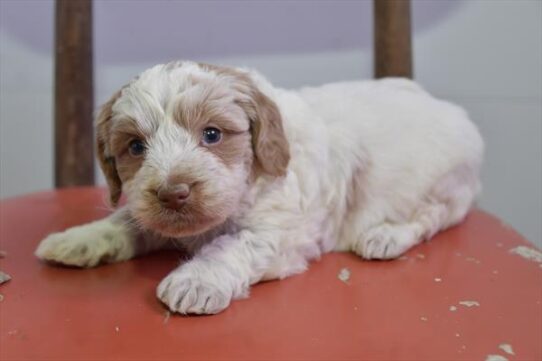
(255, 181)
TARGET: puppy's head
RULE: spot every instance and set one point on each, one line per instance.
(184, 140)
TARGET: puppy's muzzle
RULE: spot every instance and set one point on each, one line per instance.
(173, 196)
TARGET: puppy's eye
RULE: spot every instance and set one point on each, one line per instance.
(211, 135)
(137, 147)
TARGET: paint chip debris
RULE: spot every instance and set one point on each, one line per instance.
(457, 335)
(528, 253)
(469, 303)
(167, 315)
(117, 329)
(496, 358)
(453, 308)
(423, 318)
(344, 275)
(4, 277)
(3, 254)
(438, 279)
(420, 256)
(472, 259)
(507, 348)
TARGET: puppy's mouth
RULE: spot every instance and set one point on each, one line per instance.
(188, 220)
(182, 228)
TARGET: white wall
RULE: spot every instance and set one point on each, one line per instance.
(485, 55)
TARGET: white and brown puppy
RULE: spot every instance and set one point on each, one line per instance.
(255, 181)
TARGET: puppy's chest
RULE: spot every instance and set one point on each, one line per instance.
(191, 245)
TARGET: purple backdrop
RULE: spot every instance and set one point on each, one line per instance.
(129, 31)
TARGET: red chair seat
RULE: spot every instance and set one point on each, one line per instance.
(391, 310)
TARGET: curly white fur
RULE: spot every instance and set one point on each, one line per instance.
(375, 168)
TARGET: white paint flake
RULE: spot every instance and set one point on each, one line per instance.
(117, 329)
(453, 308)
(507, 348)
(344, 275)
(167, 315)
(496, 358)
(472, 259)
(423, 318)
(4, 277)
(420, 256)
(469, 303)
(528, 253)
(438, 279)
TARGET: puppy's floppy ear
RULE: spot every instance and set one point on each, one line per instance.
(107, 161)
(268, 139)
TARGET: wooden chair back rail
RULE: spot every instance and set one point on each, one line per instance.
(74, 98)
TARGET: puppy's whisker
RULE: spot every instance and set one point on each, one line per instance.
(105, 208)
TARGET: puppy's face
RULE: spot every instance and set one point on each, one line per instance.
(183, 141)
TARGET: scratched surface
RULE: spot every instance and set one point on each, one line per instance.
(460, 296)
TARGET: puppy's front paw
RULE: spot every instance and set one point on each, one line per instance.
(186, 291)
(387, 241)
(86, 246)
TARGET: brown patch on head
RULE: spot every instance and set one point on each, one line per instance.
(128, 165)
(211, 104)
(105, 157)
(207, 103)
(234, 149)
(122, 133)
(269, 142)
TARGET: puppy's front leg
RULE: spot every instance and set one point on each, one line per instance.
(221, 271)
(112, 239)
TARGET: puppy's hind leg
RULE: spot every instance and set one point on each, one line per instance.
(389, 239)
(445, 205)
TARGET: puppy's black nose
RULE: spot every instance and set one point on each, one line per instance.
(174, 197)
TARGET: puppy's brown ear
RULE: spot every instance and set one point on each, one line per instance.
(107, 161)
(268, 139)
(269, 142)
